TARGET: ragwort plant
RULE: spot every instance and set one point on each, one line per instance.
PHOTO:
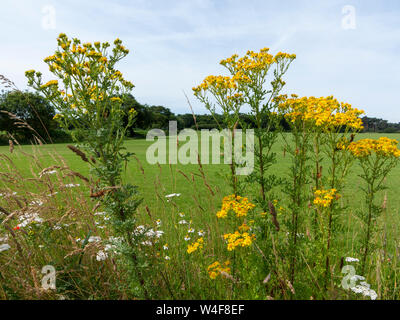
(222, 91)
(320, 127)
(88, 97)
(298, 147)
(248, 85)
(377, 158)
(252, 73)
(259, 76)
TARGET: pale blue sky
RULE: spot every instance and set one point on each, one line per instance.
(175, 44)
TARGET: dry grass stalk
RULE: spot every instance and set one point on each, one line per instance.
(11, 144)
(273, 213)
(78, 152)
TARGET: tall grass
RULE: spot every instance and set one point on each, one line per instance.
(71, 217)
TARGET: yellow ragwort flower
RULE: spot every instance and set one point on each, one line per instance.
(323, 198)
(239, 205)
(215, 269)
(383, 147)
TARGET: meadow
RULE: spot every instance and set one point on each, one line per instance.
(201, 189)
(172, 181)
(315, 219)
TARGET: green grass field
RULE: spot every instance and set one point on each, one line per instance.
(156, 181)
(200, 200)
(173, 181)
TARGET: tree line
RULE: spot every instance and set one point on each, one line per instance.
(27, 114)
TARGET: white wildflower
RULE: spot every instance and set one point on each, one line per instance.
(350, 259)
(357, 289)
(182, 222)
(94, 239)
(37, 203)
(150, 233)
(373, 295)
(357, 277)
(363, 288)
(71, 185)
(165, 247)
(191, 230)
(187, 238)
(4, 247)
(167, 258)
(365, 291)
(201, 233)
(159, 233)
(173, 195)
(101, 256)
(28, 218)
(38, 220)
(109, 247)
(139, 230)
(47, 172)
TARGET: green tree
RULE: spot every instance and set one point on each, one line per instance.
(30, 107)
(143, 117)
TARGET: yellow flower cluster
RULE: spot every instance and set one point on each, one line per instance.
(324, 112)
(239, 205)
(195, 246)
(49, 84)
(253, 62)
(217, 83)
(95, 57)
(343, 143)
(324, 198)
(382, 147)
(85, 69)
(250, 68)
(215, 269)
(116, 99)
(238, 239)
